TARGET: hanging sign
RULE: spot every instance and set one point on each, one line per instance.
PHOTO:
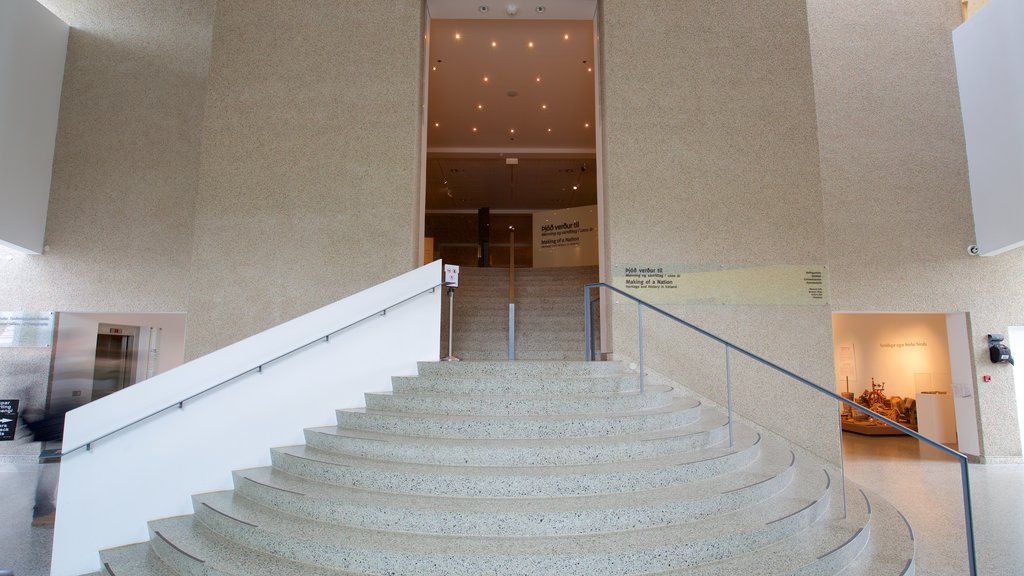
(451, 275)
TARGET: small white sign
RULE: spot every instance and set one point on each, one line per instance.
(451, 275)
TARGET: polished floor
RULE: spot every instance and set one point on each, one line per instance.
(920, 482)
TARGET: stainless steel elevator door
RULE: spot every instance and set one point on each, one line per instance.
(115, 364)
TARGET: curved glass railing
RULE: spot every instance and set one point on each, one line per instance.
(702, 343)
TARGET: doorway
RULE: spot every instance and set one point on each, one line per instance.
(117, 353)
(510, 134)
(913, 368)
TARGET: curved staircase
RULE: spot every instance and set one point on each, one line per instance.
(530, 468)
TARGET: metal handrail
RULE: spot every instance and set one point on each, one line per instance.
(257, 369)
(964, 475)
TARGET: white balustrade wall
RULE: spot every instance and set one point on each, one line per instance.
(149, 470)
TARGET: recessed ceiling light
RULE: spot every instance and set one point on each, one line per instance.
(433, 68)
(479, 106)
(566, 36)
(437, 124)
(590, 69)
(458, 36)
(494, 44)
(486, 79)
(538, 78)
(474, 129)
(587, 125)
(549, 129)
(529, 44)
(512, 131)
(544, 106)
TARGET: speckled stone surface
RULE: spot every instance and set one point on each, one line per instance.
(895, 189)
(678, 498)
(709, 430)
(548, 313)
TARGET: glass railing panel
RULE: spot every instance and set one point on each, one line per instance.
(928, 480)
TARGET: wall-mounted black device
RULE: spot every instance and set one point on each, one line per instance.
(997, 351)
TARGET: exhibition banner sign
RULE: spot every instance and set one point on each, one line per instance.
(784, 285)
(565, 237)
(26, 329)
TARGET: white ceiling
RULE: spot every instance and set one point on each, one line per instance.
(485, 104)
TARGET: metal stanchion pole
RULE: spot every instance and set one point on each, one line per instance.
(451, 315)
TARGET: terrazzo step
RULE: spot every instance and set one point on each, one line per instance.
(679, 412)
(189, 548)
(891, 545)
(675, 504)
(518, 405)
(617, 553)
(520, 370)
(824, 548)
(556, 338)
(507, 482)
(134, 560)
(710, 429)
(622, 382)
(521, 354)
(487, 334)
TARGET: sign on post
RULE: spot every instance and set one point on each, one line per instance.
(451, 275)
(8, 419)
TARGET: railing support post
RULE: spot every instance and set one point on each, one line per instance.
(968, 517)
(728, 392)
(640, 331)
(588, 341)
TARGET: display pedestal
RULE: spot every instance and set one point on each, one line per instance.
(871, 429)
(936, 417)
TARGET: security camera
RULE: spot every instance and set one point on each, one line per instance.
(973, 250)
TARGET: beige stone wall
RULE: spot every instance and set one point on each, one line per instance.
(894, 180)
(243, 162)
(119, 228)
(309, 185)
(712, 160)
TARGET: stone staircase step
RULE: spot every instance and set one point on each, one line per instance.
(675, 504)
(530, 468)
(522, 481)
(515, 371)
(890, 544)
(679, 412)
(628, 552)
(545, 299)
(191, 549)
(528, 385)
(821, 549)
(528, 354)
(709, 430)
(133, 560)
(517, 405)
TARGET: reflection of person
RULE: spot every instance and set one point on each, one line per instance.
(45, 428)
